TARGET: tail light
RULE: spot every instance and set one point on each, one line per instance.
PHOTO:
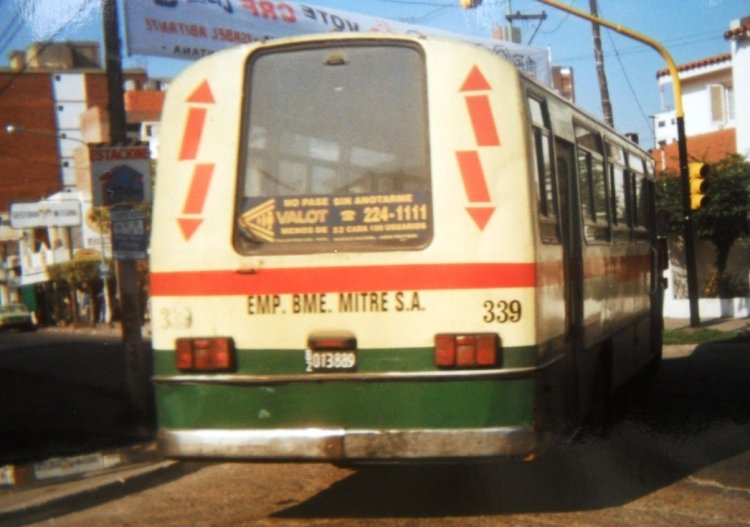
(205, 354)
(468, 350)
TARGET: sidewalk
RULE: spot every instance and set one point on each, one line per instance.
(34, 491)
(114, 329)
(719, 324)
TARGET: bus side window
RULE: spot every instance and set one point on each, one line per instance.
(639, 197)
(593, 186)
(546, 183)
(618, 183)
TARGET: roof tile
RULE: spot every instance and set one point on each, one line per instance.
(708, 148)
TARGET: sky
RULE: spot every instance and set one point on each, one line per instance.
(689, 29)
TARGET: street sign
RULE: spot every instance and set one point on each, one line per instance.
(45, 214)
(120, 174)
(128, 234)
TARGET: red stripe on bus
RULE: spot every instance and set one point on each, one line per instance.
(344, 279)
(388, 278)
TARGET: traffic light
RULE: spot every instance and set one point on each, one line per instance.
(698, 173)
(470, 4)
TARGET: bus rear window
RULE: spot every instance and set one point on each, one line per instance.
(334, 151)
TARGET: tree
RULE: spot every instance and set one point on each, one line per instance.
(81, 273)
(722, 220)
(669, 201)
(725, 218)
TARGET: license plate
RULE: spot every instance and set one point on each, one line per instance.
(323, 361)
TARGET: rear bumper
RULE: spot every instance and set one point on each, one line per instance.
(343, 444)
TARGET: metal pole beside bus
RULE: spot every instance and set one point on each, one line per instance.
(688, 232)
(127, 274)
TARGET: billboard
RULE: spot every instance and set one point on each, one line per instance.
(193, 29)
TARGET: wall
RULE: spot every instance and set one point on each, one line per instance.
(741, 50)
(29, 162)
(69, 94)
(676, 304)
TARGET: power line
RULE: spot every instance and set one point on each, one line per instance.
(5, 40)
(673, 43)
(630, 84)
(430, 14)
(41, 49)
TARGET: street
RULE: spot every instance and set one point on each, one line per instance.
(678, 454)
(63, 393)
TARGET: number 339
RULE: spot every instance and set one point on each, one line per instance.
(502, 311)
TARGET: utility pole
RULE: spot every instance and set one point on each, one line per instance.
(688, 230)
(600, 72)
(136, 367)
(512, 17)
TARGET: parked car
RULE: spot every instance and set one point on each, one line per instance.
(16, 316)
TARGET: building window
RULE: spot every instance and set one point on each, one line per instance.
(718, 103)
(730, 103)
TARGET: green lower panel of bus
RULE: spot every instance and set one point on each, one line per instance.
(443, 404)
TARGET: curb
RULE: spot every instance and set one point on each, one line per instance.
(33, 490)
(61, 469)
(114, 329)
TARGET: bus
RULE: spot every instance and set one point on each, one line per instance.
(379, 248)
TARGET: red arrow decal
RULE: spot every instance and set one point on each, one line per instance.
(473, 176)
(188, 226)
(196, 118)
(480, 215)
(476, 186)
(191, 139)
(202, 94)
(196, 198)
(198, 189)
(480, 113)
(485, 134)
(475, 81)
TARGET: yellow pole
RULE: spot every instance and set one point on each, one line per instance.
(679, 112)
(692, 274)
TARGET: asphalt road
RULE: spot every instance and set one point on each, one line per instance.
(63, 393)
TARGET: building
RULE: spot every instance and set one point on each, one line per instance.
(739, 38)
(717, 117)
(43, 94)
(717, 124)
(54, 97)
